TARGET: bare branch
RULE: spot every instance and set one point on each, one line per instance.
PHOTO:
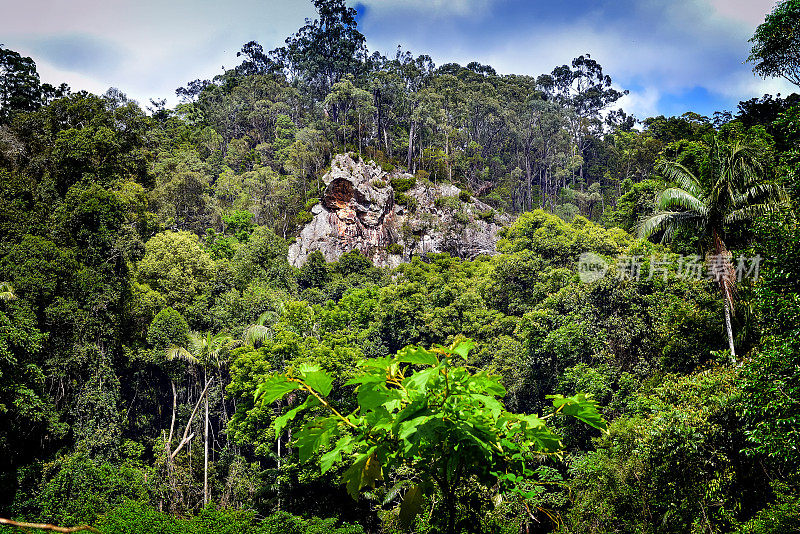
(44, 526)
(186, 437)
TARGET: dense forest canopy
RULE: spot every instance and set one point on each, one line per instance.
(163, 368)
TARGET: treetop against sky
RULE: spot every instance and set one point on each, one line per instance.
(672, 56)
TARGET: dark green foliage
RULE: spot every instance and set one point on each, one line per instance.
(487, 216)
(136, 518)
(406, 200)
(776, 45)
(77, 490)
(394, 248)
(122, 232)
(168, 328)
(263, 258)
(314, 272)
(402, 185)
(19, 84)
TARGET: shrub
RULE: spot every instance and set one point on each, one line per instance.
(401, 185)
(134, 517)
(461, 217)
(395, 248)
(464, 196)
(487, 215)
(407, 201)
(447, 202)
(310, 203)
(423, 176)
(379, 184)
(304, 217)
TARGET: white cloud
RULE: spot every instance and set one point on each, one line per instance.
(657, 47)
(641, 104)
(749, 12)
(430, 7)
(161, 45)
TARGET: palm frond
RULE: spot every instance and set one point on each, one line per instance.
(268, 316)
(678, 173)
(664, 221)
(256, 335)
(752, 211)
(764, 192)
(7, 291)
(680, 198)
(684, 219)
(179, 353)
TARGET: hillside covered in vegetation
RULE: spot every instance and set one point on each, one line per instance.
(579, 321)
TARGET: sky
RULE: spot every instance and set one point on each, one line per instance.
(672, 55)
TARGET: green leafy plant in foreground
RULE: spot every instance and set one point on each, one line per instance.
(422, 410)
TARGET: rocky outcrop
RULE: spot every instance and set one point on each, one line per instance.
(360, 210)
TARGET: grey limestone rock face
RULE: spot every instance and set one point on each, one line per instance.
(358, 212)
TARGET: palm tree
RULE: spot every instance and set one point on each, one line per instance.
(205, 350)
(7, 291)
(256, 334)
(729, 192)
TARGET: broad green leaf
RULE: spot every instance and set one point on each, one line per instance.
(489, 383)
(326, 461)
(370, 396)
(353, 476)
(462, 348)
(580, 406)
(409, 427)
(491, 403)
(319, 381)
(281, 422)
(377, 363)
(417, 356)
(419, 380)
(275, 387)
(411, 505)
(308, 368)
(374, 376)
(314, 436)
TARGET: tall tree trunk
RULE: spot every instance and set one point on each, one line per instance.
(728, 326)
(410, 146)
(205, 456)
(727, 279)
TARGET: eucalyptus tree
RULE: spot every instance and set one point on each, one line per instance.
(776, 43)
(730, 192)
(19, 84)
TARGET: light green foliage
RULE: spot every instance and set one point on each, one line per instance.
(136, 518)
(441, 420)
(636, 202)
(176, 266)
(558, 242)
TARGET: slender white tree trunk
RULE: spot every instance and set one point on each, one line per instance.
(205, 468)
(729, 328)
